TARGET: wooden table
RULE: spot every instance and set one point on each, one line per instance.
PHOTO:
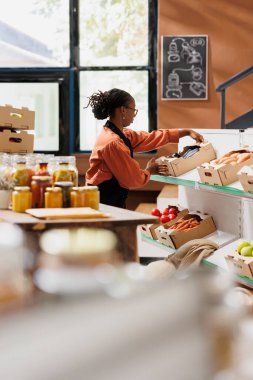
(122, 222)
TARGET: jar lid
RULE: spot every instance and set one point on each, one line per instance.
(90, 188)
(22, 188)
(54, 189)
(41, 177)
(64, 184)
(80, 188)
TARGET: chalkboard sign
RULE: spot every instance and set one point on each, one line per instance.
(184, 67)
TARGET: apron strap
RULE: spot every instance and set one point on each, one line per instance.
(118, 132)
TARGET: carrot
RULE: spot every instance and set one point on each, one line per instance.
(243, 157)
(190, 228)
(228, 160)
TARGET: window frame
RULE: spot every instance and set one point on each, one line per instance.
(68, 77)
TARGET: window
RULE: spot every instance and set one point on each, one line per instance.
(58, 52)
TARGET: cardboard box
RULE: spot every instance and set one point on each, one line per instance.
(222, 174)
(16, 118)
(174, 239)
(245, 176)
(150, 230)
(16, 142)
(179, 165)
(241, 265)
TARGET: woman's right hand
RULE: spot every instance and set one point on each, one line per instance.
(152, 166)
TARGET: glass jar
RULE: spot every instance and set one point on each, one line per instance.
(77, 197)
(66, 189)
(92, 197)
(20, 171)
(30, 164)
(73, 168)
(64, 171)
(53, 197)
(42, 166)
(21, 198)
(38, 188)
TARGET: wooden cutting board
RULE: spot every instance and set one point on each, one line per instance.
(66, 213)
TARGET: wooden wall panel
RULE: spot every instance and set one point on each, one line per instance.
(229, 26)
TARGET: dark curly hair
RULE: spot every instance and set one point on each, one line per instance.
(103, 104)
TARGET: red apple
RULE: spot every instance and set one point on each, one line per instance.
(156, 212)
(164, 218)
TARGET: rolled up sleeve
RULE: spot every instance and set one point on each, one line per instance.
(123, 167)
(146, 141)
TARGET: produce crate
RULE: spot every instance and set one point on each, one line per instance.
(241, 265)
(174, 239)
(222, 174)
(179, 165)
(150, 230)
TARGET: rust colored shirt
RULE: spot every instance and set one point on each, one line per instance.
(111, 157)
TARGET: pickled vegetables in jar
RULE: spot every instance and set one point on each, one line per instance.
(21, 174)
(66, 188)
(63, 173)
(21, 198)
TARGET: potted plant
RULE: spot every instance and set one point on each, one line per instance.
(6, 186)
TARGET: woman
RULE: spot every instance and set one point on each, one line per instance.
(112, 166)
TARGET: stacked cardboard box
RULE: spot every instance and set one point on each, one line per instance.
(14, 124)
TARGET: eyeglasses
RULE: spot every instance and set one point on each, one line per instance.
(134, 109)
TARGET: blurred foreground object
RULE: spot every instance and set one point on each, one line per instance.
(157, 333)
(14, 285)
(70, 258)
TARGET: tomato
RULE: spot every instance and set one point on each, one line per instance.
(156, 212)
(165, 218)
(165, 211)
(173, 210)
(172, 216)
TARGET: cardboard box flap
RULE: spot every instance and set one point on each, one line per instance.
(16, 118)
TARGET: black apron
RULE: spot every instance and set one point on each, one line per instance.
(111, 193)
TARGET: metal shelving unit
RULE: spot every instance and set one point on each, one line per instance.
(230, 207)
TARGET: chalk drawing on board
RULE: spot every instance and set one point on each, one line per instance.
(184, 67)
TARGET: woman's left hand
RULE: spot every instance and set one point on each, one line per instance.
(196, 136)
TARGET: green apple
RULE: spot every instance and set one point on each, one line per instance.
(247, 251)
(241, 245)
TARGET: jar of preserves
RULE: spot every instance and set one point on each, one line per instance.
(42, 167)
(66, 187)
(38, 189)
(64, 171)
(77, 197)
(92, 197)
(53, 197)
(21, 198)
